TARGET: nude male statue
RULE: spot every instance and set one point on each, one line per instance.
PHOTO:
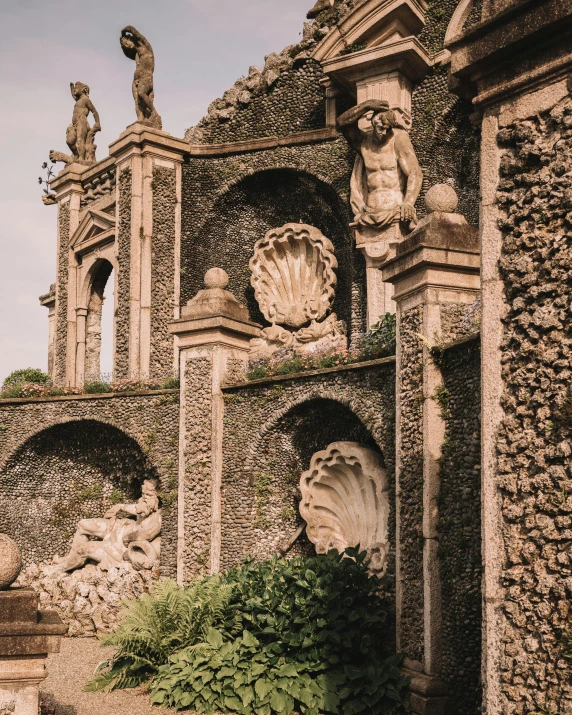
(387, 178)
(136, 47)
(79, 135)
(112, 542)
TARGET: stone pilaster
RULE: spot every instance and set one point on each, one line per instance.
(435, 273)
(151, 160)
(516, 66)
(213, 340)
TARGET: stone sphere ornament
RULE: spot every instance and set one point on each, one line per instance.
(441, 197)
(216, 278)
(10, 561)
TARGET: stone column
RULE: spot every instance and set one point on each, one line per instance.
(27, 635)
(68, 189)
(435, 274)
(213, 339)
(148, 247)
(516, 66)
(49, 301)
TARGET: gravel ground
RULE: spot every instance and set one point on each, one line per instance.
(69, 670)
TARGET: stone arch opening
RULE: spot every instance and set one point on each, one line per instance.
(266, 200)
(99, 332)
(65, 473)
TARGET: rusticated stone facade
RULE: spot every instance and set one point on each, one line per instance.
(534, 448)
(62, 295)
(163, 270)
(410, 499)
(460, 525)
(123, 299)
(63, 459)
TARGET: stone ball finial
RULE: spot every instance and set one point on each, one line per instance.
(216, 278)
(441, 197)
(10, 561)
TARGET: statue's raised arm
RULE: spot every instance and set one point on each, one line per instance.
(136, 47)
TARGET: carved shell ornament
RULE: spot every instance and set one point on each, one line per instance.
(345, 502)
(293, 275)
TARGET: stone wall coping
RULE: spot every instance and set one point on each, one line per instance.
(421, 257)
(313, 136)
(472, 338)
(311, 373)
(71, 398)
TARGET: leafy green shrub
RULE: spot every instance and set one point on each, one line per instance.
(159, 624)
(27, 375)
(313, 632)
(97, 387)
(173, 383)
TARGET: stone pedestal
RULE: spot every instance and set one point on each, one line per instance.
(213, 339)
(26, 637)
(436, 268)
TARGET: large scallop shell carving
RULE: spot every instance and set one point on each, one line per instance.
(293, 274)
(345, 502)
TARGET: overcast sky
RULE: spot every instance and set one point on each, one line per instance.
(201, 48)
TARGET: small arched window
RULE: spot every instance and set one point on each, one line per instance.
(99, 323)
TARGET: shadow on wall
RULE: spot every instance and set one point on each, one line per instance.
(268, 200)
(63, 474)
(50, 706)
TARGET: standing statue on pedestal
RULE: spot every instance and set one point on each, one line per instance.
(112, 542)
(138, 48)
(387, 178)
(80, 136)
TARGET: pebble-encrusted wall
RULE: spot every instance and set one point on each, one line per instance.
(411, 484)
(163, 270)
(535, 439)
(460, 525)
(122, 299)
(63, 459)
(59, 376)
(273, 428)
(224, 216)
(198, 463)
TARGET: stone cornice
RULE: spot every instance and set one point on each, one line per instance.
(314, 136)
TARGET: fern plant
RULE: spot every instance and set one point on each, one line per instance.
(159, 624)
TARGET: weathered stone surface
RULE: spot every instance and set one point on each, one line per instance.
(10, 561)
(136, 47)
(80, 136)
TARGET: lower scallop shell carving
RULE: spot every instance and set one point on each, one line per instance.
(293, 274)
(345, 502)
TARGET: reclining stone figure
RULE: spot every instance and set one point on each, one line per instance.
(111, 541)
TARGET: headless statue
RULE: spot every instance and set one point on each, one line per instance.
(138, 48)
(113, 542)
(80, 136)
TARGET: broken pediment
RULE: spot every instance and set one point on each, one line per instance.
(376, 38)
(95, 229)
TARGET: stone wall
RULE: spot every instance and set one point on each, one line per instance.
(232, 202)
(460, 526)
(163, 270)
(411, 484)
(63, 459)
(273, 428)
(62, 295)
(123, 281)
(535, 443)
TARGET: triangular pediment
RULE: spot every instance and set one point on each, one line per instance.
(94, 225)
(372, 24)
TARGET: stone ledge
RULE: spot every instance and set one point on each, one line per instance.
(313, 136)
(311, 373)
(100, 396)
(472, 338)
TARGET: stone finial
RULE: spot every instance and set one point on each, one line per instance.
(10, 561)
(215, 300)
(443, 198)
(216, 278)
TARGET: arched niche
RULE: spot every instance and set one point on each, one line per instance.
(263, 201)
(65, 473)
(100, 289)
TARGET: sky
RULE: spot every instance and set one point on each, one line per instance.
(201, 47)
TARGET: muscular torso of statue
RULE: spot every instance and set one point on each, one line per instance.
(386, 181)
